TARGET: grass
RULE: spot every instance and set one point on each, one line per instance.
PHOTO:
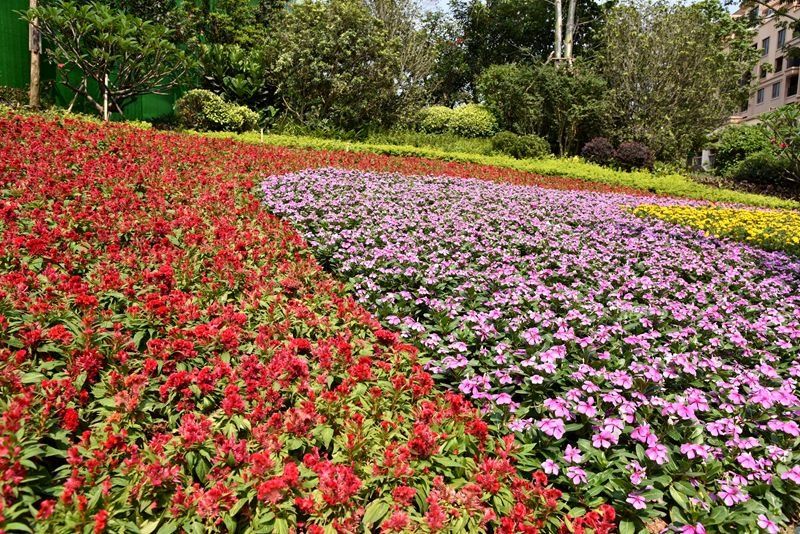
(665, 184)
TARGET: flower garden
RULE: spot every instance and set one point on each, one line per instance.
(179, 356)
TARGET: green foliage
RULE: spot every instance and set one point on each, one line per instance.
(202, 110)
(336, 65)
(509, 93)
(758, 168)
(13, 96)
(575, 105)
(503, 31)
(434, 119)
(446, 142)
(783, 128)
(123, 55)
(674, 71)
(240, 74)
(736, 143)
(472, 120)
(520, 146)
(669, 184)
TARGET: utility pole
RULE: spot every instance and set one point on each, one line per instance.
(35, 47)
(570, 36)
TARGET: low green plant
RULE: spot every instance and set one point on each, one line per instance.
(469, 120)
(520, 146)
(737, 143)
(202, 110)
(472, 120)
(434, 119)
(759, 168)
(13, 96)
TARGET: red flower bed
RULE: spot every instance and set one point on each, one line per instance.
(174, 358)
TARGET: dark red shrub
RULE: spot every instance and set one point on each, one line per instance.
(632, 155)
(598, 150)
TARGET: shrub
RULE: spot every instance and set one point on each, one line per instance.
(507, 92)
(632, 155)
(203, 110)
(13, 96)
(520, 146)
(472, 120)
(759, 168)
(736, 143)
(598, 150)
(434, 119)
(782, 128)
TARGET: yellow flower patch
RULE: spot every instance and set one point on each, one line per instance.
(769, 229)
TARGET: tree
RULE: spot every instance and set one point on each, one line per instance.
(495, 32)
(566, 106)
(404, 23)
(336, 65)
(675, 71)
(121, 55)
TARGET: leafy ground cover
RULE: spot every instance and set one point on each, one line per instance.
(174, 359)
(667, 184)
(769, 229)
(641, 362)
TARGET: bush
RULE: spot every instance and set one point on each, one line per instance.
(473, 120)
(736, 144)
(13, 96)
(434, 119)
(520, 146)
(507, 92)
(632, 155)
(598, 150)
(759, 168)
(204, 111)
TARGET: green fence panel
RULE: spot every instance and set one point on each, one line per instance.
(14, 58)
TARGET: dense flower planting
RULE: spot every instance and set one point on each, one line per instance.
(770, 229)
(642, 362)
(174, 359)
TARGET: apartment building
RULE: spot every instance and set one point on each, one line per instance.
(776, 73)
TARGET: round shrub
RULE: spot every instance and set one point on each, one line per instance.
(759, 168)
(520, 146)
(632, 155)
(205, 111)
(434, 119)
(736, 144)
(598, 150)
(472, 120)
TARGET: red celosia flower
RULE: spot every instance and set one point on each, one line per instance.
(70, 421)
(100, 521)
(338, 483)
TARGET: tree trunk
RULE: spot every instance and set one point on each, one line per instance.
(559, 44)
(570, 31)
(34, 45)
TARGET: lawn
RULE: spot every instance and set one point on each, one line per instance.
(208, 335)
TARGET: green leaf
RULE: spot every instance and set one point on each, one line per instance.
(627, 527)
(374, 512)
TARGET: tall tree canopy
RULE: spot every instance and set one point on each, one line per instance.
(675, 71)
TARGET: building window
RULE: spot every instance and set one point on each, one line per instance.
(760, 96)
(776, 89)
(791, 86)
(778, 64)
(765, 47)
(762, 72)
(781, 38)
